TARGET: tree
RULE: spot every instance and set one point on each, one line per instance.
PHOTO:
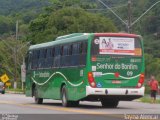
(6, 25)
(10, 48)
(66, 21)
(152, 66)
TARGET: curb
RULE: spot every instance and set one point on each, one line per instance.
(137, 100)
(14, 92)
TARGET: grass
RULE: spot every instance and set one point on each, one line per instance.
(148, 100)
(15, 90)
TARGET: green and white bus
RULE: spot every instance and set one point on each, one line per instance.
(105, 67)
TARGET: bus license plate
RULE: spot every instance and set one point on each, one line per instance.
(116, 82)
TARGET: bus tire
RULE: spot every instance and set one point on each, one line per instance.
(65, 101)
(64, 97)
(36, 98)
(74, 103)
(109, 103)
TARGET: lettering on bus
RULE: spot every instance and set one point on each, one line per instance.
(117, 66)
(41, 74)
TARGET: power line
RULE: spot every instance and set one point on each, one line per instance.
(144, 13)
(129, 24)
(129, 17)
(116, 7)
(113, 12)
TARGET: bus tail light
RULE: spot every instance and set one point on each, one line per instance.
(91, 80)
(141, 81)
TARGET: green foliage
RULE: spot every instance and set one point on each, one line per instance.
(66, 21)
(147, 99)
(8, 49)
(8, 7)
(6, 24)
(152, 66)
(22, 10)
(64, 3)
(59, 17)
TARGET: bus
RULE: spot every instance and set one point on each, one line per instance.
(104, 67)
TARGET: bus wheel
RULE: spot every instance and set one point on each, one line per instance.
(109, 103)
(75, 103)
(36, 98)
(65, 101)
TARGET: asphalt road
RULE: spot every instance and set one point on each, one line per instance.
(16, 104)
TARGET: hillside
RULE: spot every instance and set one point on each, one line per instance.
(28, 10)
(8, 7)
(43, 20)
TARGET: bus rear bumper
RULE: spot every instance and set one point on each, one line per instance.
(115, 91)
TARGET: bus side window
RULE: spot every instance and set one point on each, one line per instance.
(45, 53)
(71, 50)
(85, 47)
(53, 52)
(57, 57)
(69, 56)
(65, 56)
(49, 58)
(75, 55)
(83, 52)
(35, 57)
(41, 61)
(53, 55)
(62, 56)
(81, 48)
(45, 59)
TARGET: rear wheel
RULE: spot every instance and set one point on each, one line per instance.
(109, 103)
(74, 103)
(36, 98)
(65, 101)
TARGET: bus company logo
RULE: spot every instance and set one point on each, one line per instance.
(41, 74)
(96, 41)
(9, 117)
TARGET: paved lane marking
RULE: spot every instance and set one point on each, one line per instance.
(7, 102)
(51, 107)
(63, 109)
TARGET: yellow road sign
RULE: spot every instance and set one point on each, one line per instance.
(8, 84)
(4, 78)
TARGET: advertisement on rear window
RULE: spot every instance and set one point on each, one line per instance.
(116, 45)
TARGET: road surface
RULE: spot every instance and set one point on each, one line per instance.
(13, 104)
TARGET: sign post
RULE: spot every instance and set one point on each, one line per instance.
(23, 74)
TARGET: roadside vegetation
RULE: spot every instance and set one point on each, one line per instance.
(147, 99)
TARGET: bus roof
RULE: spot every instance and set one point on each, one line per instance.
(62, 39)
(116, 34)
(77, 37)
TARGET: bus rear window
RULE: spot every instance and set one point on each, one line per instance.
(116, 46)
